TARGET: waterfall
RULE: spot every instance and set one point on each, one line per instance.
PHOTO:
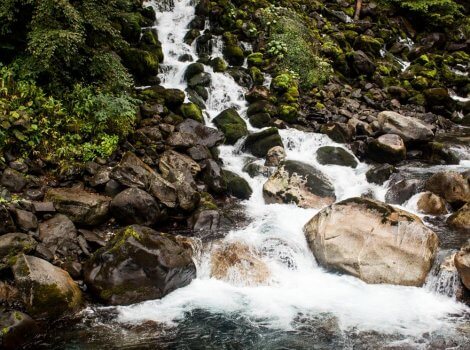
(296, 284)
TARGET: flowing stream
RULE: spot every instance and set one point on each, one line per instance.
(301, 303)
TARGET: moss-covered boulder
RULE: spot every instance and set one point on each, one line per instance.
(12, 244)
(218, 64)
(232, 125)
(193, 69)
(140, 62)
(260, 120)
(262, 106)
(139, 264)
(46, 290)
(234, 55)
(261, 142)
(149, 42)
(336, 156)
(255, 59)
(236, 185)
(192, 111)
(369, 44)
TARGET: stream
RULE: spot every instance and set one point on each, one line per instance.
(302, 306)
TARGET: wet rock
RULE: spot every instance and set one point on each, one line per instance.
(192, 111)
(13, 180)
(205, 135)
(207, 217)
(140, 264)
(218, 64)
(261, 107)
(381, 173)
(408, 128)
(261, 142)
(336, 156)
(46, 290)
(388, 148)
(17, 329)
(135, 206)
(238, 264)
(12, 244)
(451, 186)
(236, 185)
(200, 79)
(80, 206)
(212, 176)
(232, 125)
(25, 220)
(192, 70)
(431, 204)
(59, 235)
(299, 183)
(6, 221)
(275, 156)
(460, 220)
(260, 120)
(338, 132)
(462, 263)
(241, 76)
(358, 236)
(257, 93)
(401, 191)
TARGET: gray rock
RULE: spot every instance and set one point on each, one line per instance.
(336, 156)
(408, 128)
(13, 180)
(135, 206)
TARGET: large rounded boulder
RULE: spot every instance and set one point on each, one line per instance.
(140, 264)
(299, 183)
(135, 206)
(408, 128)
(372, 241)
(232, 125)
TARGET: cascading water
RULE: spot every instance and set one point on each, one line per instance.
(297, 288)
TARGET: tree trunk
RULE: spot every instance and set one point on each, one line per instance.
(357, 11)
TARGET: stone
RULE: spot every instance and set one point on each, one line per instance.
(47, 291)
(460, 220)
(6, 221)
(431, 204)
(82, 207)
(408, 128)
(401, 191)
(361, 64)
(59, 235)
(14, 243)
(25, 220)
(140, 264)
(13, 180)
(238, 264)
(329, 155)
(135, 206)
(388, 148)
(205, 136)
(192, 111)
(261, 142)
(148, 135)
(299, 183)
(338, 132)
(451, 186)
(212, 176)
(372, 241)
(199, 152)
(381, 173)
(275, 156)
(181, 140)
(17, 330)
(462, 263)
(236, 185)
(101, 177)
(257, 93)
(232, 125)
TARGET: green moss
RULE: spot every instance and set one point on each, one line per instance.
(255, 59)
(288, 113)
(231, 124)
(256, 75)
(192, 111)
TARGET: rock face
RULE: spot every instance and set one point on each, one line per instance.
(460, 220)
(140, 264)
(372, 241)
(462, 263)
(336, 156)
(48, 292)
(238, 264)
(135, 206)
(451, 186)
(408, 128)
(429, 203)
(299, 183)
(81, 207)
(261, 142)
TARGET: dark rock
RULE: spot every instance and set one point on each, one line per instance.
(361, 64)
(336, 156)
(232, 125)
(112, 188)
(59, 235)
(6, 221)
(200, 79)
(140, 264)
(13, 180)
(25, 220)
(192, 70)
(135, 206)
(199, 152)
(12, 244)
(205, 135)
(401, 191)
(236, 185)
(181, 140)
(257, 93)
(381, 173)
(261, 142)
(17, 330)
(212, 176)
(260, 120)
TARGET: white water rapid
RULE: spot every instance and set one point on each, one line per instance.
(296, 284)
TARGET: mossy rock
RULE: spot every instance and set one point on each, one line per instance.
(281, 83)
(173, 97)
(192, 111)
(262, 107)
(130, 26)
(336, 156)
(261, 142)
(12, 244)
(16, 329)
(236, 185)
(149, 42)
(255, 59)
(218, 64)
(232, 125)
(256, 75)
(234, 55)
(288, 113)
(369, 44)
(140, 63)
(261, 120)
(193, 69)
(191, 35)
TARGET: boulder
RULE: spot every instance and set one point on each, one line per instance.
(275, 156)
(431, 204)
(338, 132)
(451, 186)
(59, 235)
(361, 64)
(401, 191)
(236, 185)
(135, 206)
(408, 128)
(17, 330)
(212, 176)
(462, 263)
(232, 125)
(460, 220)
(299, 183)
(199, 152)
(193, 69)
(388, 148)
(372, 241)
(140, 264)
(181, 140)
(260, 120)
(14, 243)
(336, 156)
(25, 220)
(46, 290)
(257, 93)
(6, 221)
(205, 135)
(381, 173)
(207, 217)
(261, 142)
(13, 180)
(80, 206)
(238, 264)
(192, 111)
